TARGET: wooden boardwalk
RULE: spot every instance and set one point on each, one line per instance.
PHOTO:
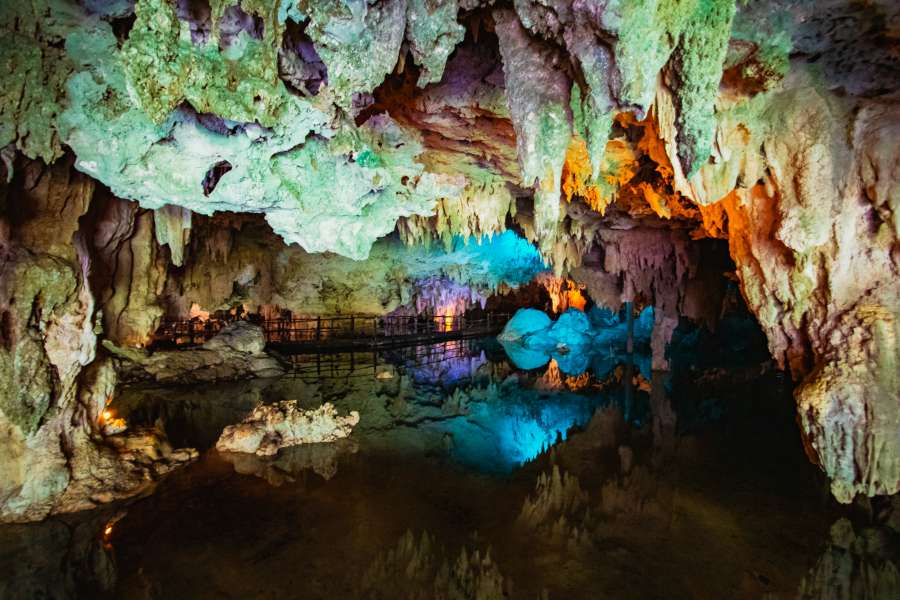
(317, 334)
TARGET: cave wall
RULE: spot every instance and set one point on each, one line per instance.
(811, 198)
(53, 382)
(239, 260)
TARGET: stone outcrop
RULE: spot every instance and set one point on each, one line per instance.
(814, 240)
(54, 454)
(270, 427)
(236, 352)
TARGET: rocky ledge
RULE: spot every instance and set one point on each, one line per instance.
(236, 352)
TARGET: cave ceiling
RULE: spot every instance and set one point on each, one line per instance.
(341, 121)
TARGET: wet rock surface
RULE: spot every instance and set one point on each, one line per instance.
(270, 427)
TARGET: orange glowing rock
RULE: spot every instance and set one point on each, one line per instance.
(575, 299)
(622, 178)
(564, 293)
(576, 383)
(576, 176)
(551, 379)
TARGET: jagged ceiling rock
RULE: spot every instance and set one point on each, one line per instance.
(336, 194)
(359, 41)
(33, 70)
(433, 33)
(154, 98)
(538, 96)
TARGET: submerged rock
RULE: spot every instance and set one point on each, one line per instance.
(270, 427)
(241, 336)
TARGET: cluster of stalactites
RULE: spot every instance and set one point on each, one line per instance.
(481, 210)
(445, 297)
(165, 119)
(563, 121)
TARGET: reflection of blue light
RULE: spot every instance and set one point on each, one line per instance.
(447, 371)
(525, 358)
(514, 426)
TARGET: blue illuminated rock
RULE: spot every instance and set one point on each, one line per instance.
(572, 329)
(526, 322)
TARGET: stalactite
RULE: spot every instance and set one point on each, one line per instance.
(172, 225)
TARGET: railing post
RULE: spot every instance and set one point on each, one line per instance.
(318, 328)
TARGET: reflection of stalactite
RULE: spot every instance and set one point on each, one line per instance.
(853, 567)
(57, 559)
(423, 569)
(558, 509)
(553, 379)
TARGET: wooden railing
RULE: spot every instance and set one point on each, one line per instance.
(365, 363)
(342, 331)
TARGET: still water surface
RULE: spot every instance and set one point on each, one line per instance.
(470, 478)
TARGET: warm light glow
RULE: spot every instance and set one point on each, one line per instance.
(551, 379)
(444, 317)
(564, 293)
(108, 530)
(198, 313)
(575, 299)
(107, 415)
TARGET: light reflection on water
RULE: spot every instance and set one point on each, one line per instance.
(573, 487)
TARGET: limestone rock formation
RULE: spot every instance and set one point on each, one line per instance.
(270, 427)
(236, 352)
(54, 454)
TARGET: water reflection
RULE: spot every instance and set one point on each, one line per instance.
(70, 557)
(476, 479)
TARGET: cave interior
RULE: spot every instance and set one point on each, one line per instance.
(450, 298)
